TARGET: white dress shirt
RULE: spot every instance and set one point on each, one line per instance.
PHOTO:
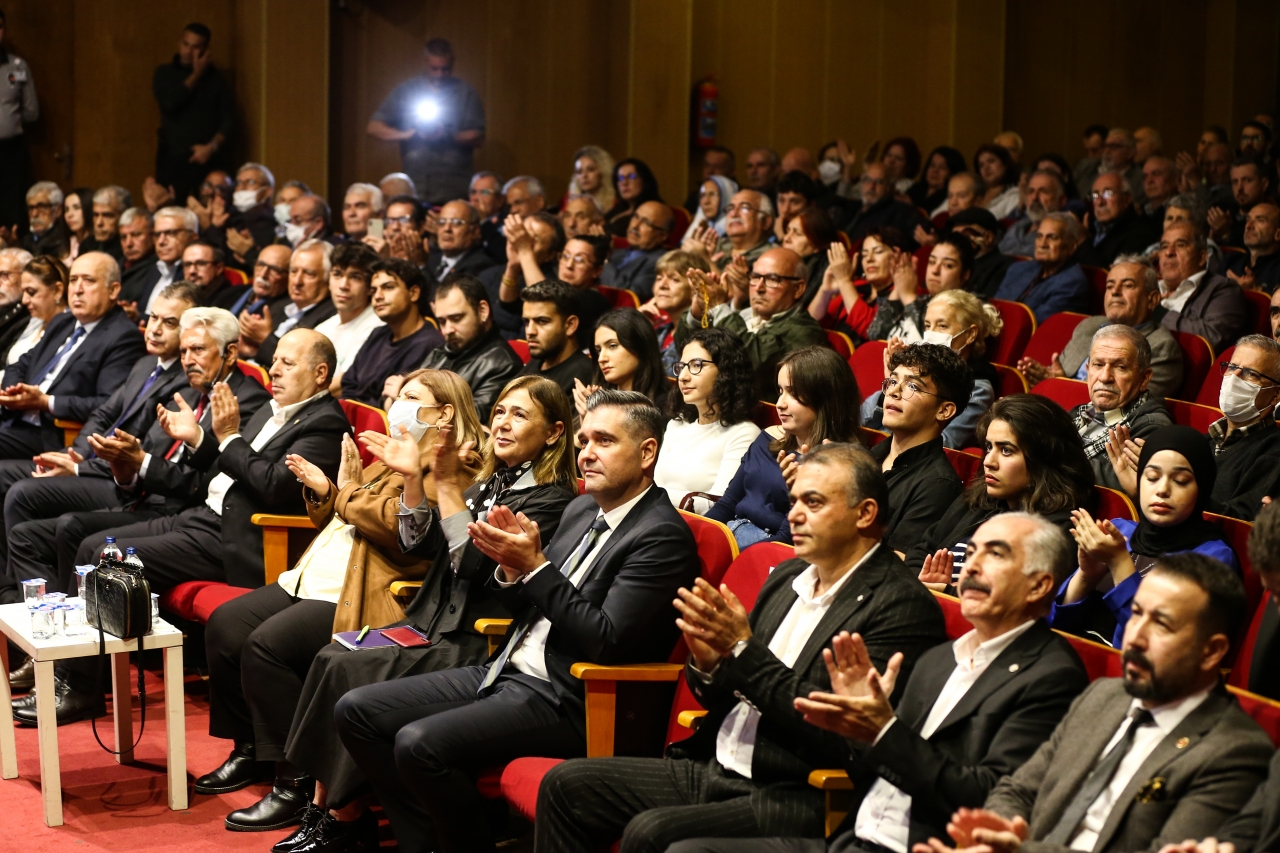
(1175, 299)
(292, 316)
(348, 337)
(33, 417)
(529, 656)
(884, 817)
(322, 568)
(736, 740)
(280, 416)
(1145, 741)
(167, 273)
(30, 336)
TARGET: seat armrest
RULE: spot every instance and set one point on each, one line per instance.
(627, 672)
(404, 588)
(686, 503)
(275, 540)
(70, 429)
(495, 630)
(838, 791)
(601, 687)
(690, 719)
(830, 780)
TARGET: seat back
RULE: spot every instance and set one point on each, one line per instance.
(1212, 384)
(1197, 358)
(1100, 661)
(1009, 380)
(1260, 311)
(680, 222)
(1052, 336)
(235, 277)
(1236, 532)
(1115, 504)
(363, 417)
(765, 415)
(921, 258)
(1194, 415)
(1239, 676)
(254, 372)
(745, 576)
(521, 348)
(1019, 326)
(957, 625)
(1265, 712)
(965, 465)
(618, 297)
(843, 345)
(867, 363)
(872, 437)
(1098, 284)
(717, 548)
(1067, 393)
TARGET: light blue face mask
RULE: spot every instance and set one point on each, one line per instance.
(404, 413)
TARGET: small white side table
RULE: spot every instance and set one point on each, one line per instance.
(15, 623)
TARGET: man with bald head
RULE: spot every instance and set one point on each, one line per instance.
(1258, 268)
(799, 160)
(773, 325)
(635, 267)
(84, 356)
(880, 207)
(1115, 228)
(1195, 300)
(457, 245)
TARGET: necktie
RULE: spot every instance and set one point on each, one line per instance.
(59, 355)
(241, 302)
(133, 404)
(173, 448)
(598, 527)
(1097, 781)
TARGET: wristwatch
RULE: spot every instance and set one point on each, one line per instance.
(738, 648)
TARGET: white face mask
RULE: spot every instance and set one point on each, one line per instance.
(1238, 399)
(294, 234)
(404, 413)
(940, 338)
(244, 199)
(282, 213)
(829, 171)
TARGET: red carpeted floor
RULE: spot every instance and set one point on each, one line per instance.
(114, 807)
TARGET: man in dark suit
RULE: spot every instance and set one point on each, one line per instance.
(204, 265)
(84, 356)
(172, 230)
(1156, 757)
(1195, 300)
(309, 304)
(73, 478)
(1115, 227)
(457, 246)
(744, 773)
(635, 267)
(138, 248)
(601, 593)
(973, 711)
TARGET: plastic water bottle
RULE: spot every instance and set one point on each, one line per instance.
(111, 551)
(131, 557)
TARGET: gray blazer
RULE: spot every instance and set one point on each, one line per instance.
(1166, 355)
(1217, 311)
(1207, 769)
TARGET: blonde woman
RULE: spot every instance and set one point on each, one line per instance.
(592, 170)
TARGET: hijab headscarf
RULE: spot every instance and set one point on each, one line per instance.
(1148, 540)
(728, 188)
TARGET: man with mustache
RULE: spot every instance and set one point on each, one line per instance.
(1133, 299)
(1158, 756)
(972, 711)
(1045, 194)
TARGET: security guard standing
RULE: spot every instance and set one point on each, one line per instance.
(18, 107)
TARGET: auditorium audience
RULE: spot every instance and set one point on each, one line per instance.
(817, 402)
(796, 192)
(957, 729)
(309, 303)
(350, 273)
(251, 226)
(672, 297)
(457, 244)
(881, 208)
(204, 265)
(581, 216)
(633, 185)
(1258, 267)
(1264, 559)
(744, 771)
(173, 229)
(309, 219)
(1159, 185)
(632, 268)
(76, 206)
(1115, 225)
(1250, 184)
(1033, 462)
(47, 232)
(260, 645)
(627, 359)
(884, 258)
(901, 314)
(402, 235)
(270, 285)
(763, 168)
(747, 228)
(1132, 299)
(1176, 474)
(810, 234)
(137, 247)
(534, 246)
(402, 339)
(1196, 301)
(999, 174)
(990, 265)
(930, 192)
(16, 322)
(710, 430)
(361, 203)
(485, 195)
(108, 203)
(714, 197)
(1052, 282)
(555, 336)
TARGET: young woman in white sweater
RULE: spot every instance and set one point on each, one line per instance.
(710, 429)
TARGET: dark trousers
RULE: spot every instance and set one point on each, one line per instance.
(12, 472)
(260, 647)
(749, 845)
(420, 742)
(651, 803)
(174, 549)
(20, 440)
(31, 509)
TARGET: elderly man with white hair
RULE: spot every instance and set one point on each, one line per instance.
(48, 233)
(1045, 194)
(361, 203)
(1052, 282)
(251, 225)
(13, 315)
(172, 230)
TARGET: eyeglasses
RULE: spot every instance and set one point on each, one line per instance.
(41, 205)
(270, 268)
(484, 192)
(197, 265)
(627, 176)
(399, 220)
(772, 281)
(1248, 374)
(173, 233)
(694, 366)
(744, 208)
(454, 222)
(910, 387)
(577, 260)
(1105, 194)
(644, 220)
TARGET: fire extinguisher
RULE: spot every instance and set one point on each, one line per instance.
(707, 102)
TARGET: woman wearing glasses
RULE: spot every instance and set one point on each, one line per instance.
(710, 428)
(634, 184)
(817, 402)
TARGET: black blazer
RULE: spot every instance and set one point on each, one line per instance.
(94, 371)
(1000, 721)
(13, 322)
(139, 413)
(883, 602)
(622, 612)
(321, 311)
(473, 262)
(178, 485)
(263, 482)
(136, 284)
(1257, 826)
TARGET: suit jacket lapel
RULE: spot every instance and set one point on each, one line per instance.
(1006, 667)
(1085, 753)
(299, 418)
(624, 529)
(914, 710)
(569, 536)
(856, 593)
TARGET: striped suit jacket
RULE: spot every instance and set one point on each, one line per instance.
(884, 603)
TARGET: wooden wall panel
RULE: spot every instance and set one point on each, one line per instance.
(42, 33)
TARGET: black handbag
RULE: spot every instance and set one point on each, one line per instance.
(117, 601)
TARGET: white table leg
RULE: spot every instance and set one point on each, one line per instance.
(8, 745)
(122, 702)
(175, 728)
(47, 721)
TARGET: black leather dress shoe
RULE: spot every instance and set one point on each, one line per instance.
(334, 836)
(72, 706)
(24, 677)
(310, 819)
(284, 806)
(23, 702)
(240, 770)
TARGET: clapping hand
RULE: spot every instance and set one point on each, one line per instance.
(858, 706)
(1037, 372)
(937, 570)
(55, 464)
(580, 394)
(239, 241)
(350, 469)
(1123, 453)
(1100, 548)
(715, 291)
(399, 453)
(309, 475)
(511, 539)
(713, 622)
(789, 463)
(119, 448)
(254, 328)
(180, 425)
(448, 459)
(224, 411)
